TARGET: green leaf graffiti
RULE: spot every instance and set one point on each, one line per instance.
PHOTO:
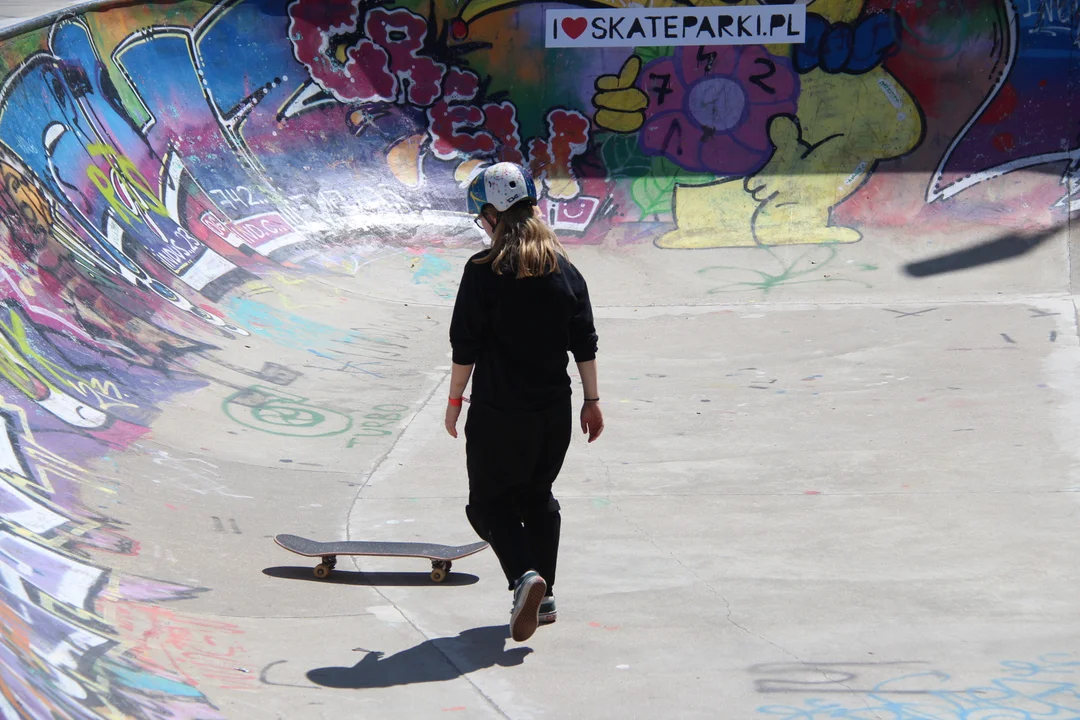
(813, 265)
(648, 54)
(622, 156)
(653, 193)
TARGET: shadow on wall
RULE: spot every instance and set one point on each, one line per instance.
(1004, 248)
(435, 660)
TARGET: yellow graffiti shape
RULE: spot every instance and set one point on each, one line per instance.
(124, 176)
(33, 206)
(562, 188)
(620, 105)
(405, 162)
(836, 11)
(19, 363)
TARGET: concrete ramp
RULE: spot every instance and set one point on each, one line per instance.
(834, 292)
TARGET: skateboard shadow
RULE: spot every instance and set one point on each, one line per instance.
(359, 577)
(436, 660)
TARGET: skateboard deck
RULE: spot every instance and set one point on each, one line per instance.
(441, 556)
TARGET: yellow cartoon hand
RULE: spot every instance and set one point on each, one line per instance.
(619, 104)
(781, 174)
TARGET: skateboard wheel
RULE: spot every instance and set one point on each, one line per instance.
(322, 570)
(438, 575)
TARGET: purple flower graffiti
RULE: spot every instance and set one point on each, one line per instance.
(709, 107)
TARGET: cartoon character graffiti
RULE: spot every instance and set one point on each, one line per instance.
(788, 132)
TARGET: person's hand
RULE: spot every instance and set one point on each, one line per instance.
(453, 412)
(592, 420)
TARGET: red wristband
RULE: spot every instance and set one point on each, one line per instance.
(456, 403)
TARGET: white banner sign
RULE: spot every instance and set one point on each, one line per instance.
(642, 27)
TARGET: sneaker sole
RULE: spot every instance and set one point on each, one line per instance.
(548, 618)
(524, 623)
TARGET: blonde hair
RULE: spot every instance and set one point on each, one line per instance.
(523, 244)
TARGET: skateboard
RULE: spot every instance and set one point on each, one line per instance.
(441, 556)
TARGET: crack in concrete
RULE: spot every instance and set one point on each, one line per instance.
(461, 673)
(385, 456)
(348, 524)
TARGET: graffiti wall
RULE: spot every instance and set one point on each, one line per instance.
(157, 158)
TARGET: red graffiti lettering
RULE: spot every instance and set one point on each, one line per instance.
(460, 85)
(550, 159)
(539, 158)
(446, 119)
(502, 123)
(402, 34)
(215, 224)
(356, 73)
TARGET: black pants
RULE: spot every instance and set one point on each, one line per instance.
(513, 458)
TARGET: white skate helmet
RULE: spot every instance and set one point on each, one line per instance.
(501, 185)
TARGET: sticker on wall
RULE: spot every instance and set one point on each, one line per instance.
(643, 27)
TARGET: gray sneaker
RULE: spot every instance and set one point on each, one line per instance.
(528, 594)
(548, 613)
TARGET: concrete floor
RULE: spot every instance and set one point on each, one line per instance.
(800, 509)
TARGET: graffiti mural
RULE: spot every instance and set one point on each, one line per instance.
(55, 600)
(1045, 687)
(783, 134)
(157, 160)
(370, 118)
(1010, 130)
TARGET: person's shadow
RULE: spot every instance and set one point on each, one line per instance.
(434, 660)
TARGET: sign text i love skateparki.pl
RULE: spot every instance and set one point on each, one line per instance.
(643, 27)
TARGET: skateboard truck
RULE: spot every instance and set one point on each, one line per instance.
(322, 570)
(440, 569)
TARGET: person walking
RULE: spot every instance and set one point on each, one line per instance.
(521, 307)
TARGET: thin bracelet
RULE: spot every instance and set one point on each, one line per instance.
(592, 399)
